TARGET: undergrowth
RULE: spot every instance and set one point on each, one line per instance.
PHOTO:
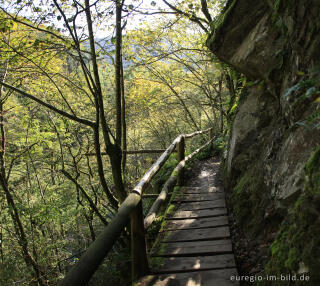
(164, 173)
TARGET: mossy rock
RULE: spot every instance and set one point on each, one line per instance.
(221, 19)
(249, 199)
(296, 248)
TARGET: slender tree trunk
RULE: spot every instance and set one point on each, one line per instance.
(118, 72)
(14, 213)
(220, 105)
(85, 194)
(113, 150)
(124, 124)
(103, 181)
(232, 94)
(1, 236)
(89, 219)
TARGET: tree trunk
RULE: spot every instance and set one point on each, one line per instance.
(232, 94)
(124, 124)
(220, 105)
(14, 213)
(113, 150)
(118, 72)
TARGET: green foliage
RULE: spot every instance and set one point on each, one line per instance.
(276, 8)
(164, 173)
(219, 21)
(216, 148)
(160, 104)
(115, 269)
(307, 91)
(220, 144)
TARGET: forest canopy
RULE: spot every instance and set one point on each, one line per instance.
(81, 84)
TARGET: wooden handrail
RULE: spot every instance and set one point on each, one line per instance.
(151, 215)
(139, 188)
(132, 152)
(186, 136)
(147, 196)
(80, 274)
(154, 151)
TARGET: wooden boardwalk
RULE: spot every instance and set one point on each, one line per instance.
(194, 246)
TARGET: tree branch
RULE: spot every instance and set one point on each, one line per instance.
(49, 106)
(193, 18)
(204, 9)
(91, 203)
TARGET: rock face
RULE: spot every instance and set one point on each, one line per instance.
(276, 45)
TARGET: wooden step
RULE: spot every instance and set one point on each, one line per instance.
(197, 213)
(195, 223)
(198, 197)
(199, 190)
(196, 234)
(200, 205)
(183, 264)
(220, 277)
(206, 247)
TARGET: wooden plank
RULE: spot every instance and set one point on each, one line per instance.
(205, 247)
(196, 234)
(200, 190)
(220, 277)
(200, 205)
(183, 264)
(198, 197)
(195, 223)
(197, 213)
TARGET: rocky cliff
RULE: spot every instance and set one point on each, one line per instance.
(273, 161)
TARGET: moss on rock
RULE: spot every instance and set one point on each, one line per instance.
(296, 248)
(222, 18)
(249, 199)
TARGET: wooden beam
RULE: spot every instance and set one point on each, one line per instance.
(146, 196)
(168, 185)
(181, 149)
(156, 166)
(80, 274)
(139, 265)
(132, 152)
(146, 151)
(186, 136)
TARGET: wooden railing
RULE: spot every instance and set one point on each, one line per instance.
(131, 210)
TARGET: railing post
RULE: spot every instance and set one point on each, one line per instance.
(139, 258)
(181, 147)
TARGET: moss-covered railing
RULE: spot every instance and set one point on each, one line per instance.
(131, 210)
